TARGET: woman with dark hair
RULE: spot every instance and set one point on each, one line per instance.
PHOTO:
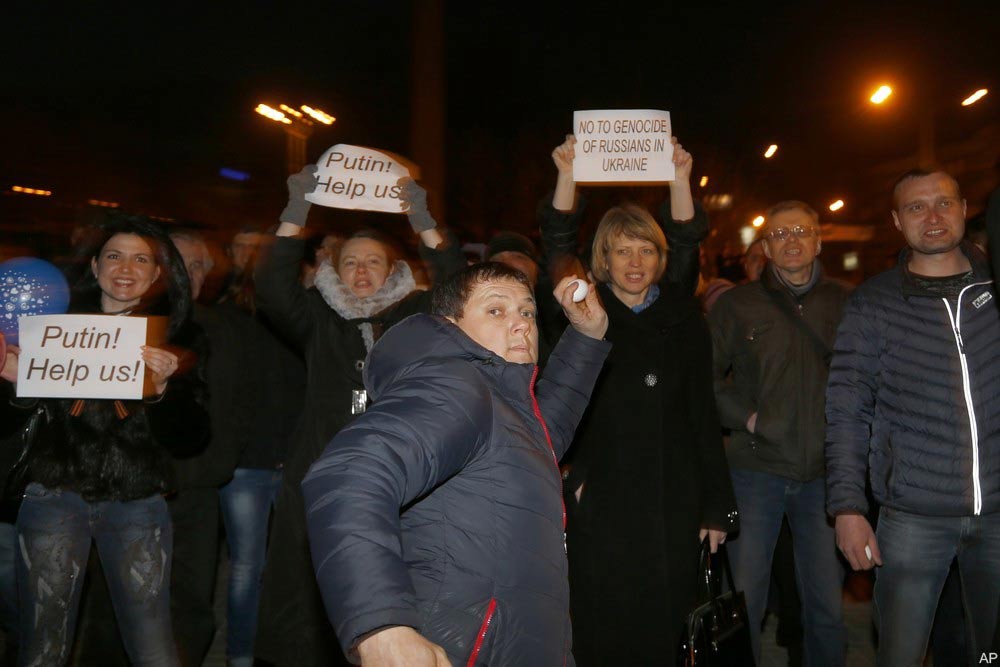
(649, 478)
(97, 468)
(362, 290)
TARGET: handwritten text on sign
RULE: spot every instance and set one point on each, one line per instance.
(622, 146)
(362, 178)
(81, 356)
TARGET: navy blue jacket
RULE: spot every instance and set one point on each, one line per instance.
(914, 393)
(440, 508)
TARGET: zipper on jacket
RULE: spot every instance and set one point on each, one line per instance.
(481, 635)
(548, 439)
(956, 327)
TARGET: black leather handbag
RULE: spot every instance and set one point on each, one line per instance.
(717, 632)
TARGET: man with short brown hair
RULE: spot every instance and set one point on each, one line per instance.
(912, 405)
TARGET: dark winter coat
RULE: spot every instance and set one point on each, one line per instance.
(650, 459)
(767, 364)
(913, 394)
(462, 447)
(292, 625)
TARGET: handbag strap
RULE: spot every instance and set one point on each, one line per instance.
(786, 308)
(711, 589)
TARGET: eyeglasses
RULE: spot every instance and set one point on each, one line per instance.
(785, 233)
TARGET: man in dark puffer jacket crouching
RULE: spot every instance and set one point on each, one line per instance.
(435, 519)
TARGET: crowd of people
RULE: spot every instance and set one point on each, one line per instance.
(498, 470)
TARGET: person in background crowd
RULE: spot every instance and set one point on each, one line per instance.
(319, 250)
(362, 291)
(274, 393)
(517, 251)
(771, 347)
(912, 406)
(98, 469)
(648, 479)
(423, 558)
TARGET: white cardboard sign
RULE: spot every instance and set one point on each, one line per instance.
(623, 145)
(359, 178)
(81, 356)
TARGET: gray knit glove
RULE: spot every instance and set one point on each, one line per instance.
(414, 198)
(299, 185)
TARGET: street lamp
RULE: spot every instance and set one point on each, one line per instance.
(837, 205)
(974, 97)
(297, 128)
(758, 222)
(704, 181)
(881, 95)
(771, 150)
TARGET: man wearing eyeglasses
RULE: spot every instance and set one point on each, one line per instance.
(772, 340)
(914, 401)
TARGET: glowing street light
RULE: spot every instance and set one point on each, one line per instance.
(704, 181)
(975, 97)
(837, 205)
(771, 150)
(297, 128)
(319, 115)
(31, 191)
(273, 114)
(881, 95)
(758, 222)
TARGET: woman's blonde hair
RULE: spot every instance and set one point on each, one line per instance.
(626, 220)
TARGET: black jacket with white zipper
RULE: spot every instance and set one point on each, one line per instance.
(914, 393)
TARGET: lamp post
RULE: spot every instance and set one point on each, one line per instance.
(298, 126)
(926, 153)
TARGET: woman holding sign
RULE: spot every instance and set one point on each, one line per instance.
(98, 468)
(361, 291)
(648, 477)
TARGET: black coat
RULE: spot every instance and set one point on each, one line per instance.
(292, 625)
(440, 508)
(765, 363)
(650, 458)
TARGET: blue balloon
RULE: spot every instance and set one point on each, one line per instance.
(29, 286)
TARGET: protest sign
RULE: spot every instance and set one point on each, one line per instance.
(631, 146)
(81, 356)
(356, 177)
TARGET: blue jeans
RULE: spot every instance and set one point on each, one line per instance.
(134, 541)
(917, 552)
(763, 500)
(246, 505)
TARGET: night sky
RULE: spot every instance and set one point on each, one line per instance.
(143, 106)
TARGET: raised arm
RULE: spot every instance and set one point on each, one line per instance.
(571, 372)
(560, 216)
(684, 224)
(439, 249)
(280, 295)
(410, 441)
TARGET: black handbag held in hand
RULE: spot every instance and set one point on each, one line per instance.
(717, 632)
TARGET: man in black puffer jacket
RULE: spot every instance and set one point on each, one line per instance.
(914, 394)
(435, 519)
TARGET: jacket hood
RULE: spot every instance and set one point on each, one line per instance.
(422, 338)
